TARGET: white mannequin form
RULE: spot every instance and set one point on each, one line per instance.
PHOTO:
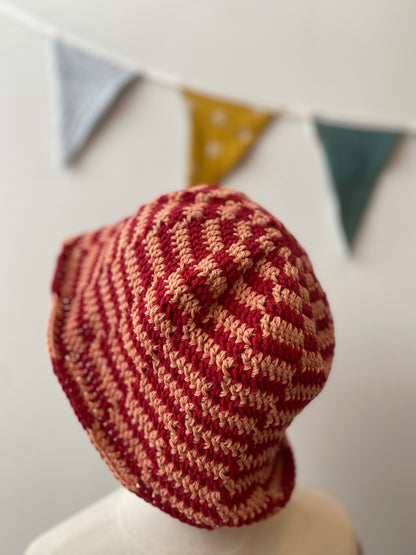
(123, 524)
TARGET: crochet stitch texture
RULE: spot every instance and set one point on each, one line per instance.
(187, 337)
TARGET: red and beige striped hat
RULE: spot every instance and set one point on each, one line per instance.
(187, 337)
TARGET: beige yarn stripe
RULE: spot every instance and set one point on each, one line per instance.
(146, 424)
(128, 480)
(185, 251)
(169, 347)
(112, 392)
(217, 469)
(181, 480)
(214, 243)
(199, 383)
(152, 436)
(161, 318)
(165, 422)
(157, 254)
(252, 299)
(249, 299)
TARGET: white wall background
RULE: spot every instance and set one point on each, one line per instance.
(357, 441)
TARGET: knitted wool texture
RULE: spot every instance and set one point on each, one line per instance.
(187, 337)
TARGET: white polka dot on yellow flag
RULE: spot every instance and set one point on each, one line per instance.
(222, 134)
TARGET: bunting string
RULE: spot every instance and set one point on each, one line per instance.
(166, 79)
(89, 79)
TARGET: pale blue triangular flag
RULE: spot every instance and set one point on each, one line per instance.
(86, 88)
(355, 159)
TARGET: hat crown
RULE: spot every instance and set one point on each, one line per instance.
(216, 260)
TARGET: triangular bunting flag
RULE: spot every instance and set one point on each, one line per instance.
(86, 88)
(355, 158)
(222, 133)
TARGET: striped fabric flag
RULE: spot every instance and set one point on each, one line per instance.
(355, 158)
(86, 88)
(222, 134)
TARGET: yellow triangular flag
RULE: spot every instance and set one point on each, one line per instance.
(222, 133)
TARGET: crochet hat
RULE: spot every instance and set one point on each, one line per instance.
(187, 337)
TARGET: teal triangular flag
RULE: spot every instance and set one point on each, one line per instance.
(86, 88)
(355, 158)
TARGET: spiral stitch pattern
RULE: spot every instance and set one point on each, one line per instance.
(187, 337)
